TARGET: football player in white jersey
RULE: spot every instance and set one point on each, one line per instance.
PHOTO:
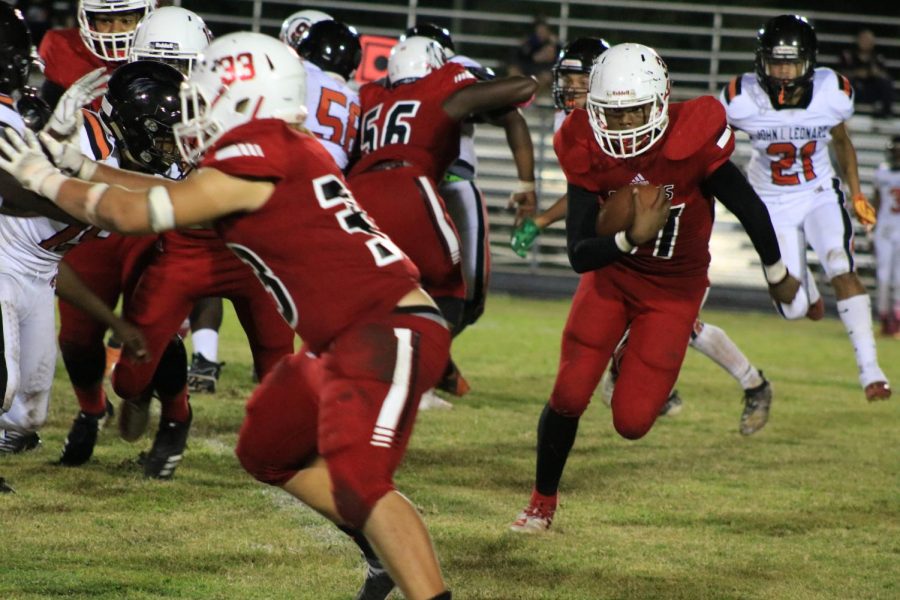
(465, 202)
(792, 110)
(887, 239)
(30, 250)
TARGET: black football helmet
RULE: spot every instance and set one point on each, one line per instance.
(139, 108)
(332, 46)
(578, 56)
(434, 32)
(785, 38)
(16, 50)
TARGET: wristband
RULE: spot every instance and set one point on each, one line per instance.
(94, 194)
(623, 243)
(87, 170)
(775, 273)
(524, 187)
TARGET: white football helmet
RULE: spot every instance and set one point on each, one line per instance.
(238, 78)
(625, 76)
(172, 35)
(414, 58)
(113, 46)
(293, 28)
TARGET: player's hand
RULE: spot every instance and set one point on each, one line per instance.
(865, 212)
(785, 290)
(523, 236)
(24, 159)
(132, 339)
(65, 122)
(648, 220)
(66, 156)
(525, 203)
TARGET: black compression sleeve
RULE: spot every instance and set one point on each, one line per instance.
(587, 251)
(733, 190)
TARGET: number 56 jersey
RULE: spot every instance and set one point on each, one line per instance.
(790, 145)
(315, 251)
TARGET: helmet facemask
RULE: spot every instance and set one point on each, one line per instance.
(110, 46)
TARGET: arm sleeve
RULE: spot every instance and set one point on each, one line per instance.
(586, 250)
(729, 185)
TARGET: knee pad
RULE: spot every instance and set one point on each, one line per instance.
(631, 426)
(836, 262)
(170, 376)
(568, 404)
(452, 309)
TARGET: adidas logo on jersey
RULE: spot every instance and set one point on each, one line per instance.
(236, 150)
(639, 180)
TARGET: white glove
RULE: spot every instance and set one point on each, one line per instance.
(65, 122)
(24, 159)
(68, 157)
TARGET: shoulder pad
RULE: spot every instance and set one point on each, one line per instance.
(96, 135)
(698, 122)
(733, 89)
(572, 144)
(844, 85)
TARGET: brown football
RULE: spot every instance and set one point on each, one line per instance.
(617, 213)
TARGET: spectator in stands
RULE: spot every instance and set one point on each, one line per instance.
(537, 53)
(866, 70)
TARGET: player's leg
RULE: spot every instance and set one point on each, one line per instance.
(895, 285)
(595, 325)
(714, 343)
(884, 268)
(269, 336)
(36, 365)
(830, 233)
(206, 320)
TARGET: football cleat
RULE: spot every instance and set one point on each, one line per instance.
(79, 444)
(878, 390)
(816, 310)
(14, 442)
(431, 401)
(536, 517)
(607, 386)
(168, 448)
(756, 407)
(378, 584)
(203, 375)
(672, 406)
(453, 382)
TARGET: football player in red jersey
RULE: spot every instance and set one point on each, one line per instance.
(409, 136)
(652, 277)
(331, 423)
(103, 38)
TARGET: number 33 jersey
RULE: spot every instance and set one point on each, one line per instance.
(315, 251)
(790, 145)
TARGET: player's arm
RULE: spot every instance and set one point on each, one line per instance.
(72, 289)
(523, 236)
(729, 185)
(588, 251)
(19, 202)
(518, 138)
(486, 96)
(845, 154)
(203, 196)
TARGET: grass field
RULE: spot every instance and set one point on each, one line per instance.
(807, 508)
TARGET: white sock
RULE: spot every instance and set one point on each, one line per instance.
(812, 290)
(206, 342)
(714, 343)
(856, 314)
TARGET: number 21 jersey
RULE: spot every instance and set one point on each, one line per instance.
(790, 145)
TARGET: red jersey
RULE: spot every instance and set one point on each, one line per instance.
(67, 59)
(697, 142)
(407, 122)
(314, 250)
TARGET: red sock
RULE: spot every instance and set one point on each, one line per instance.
(539, 499)
(92, 400)
(176, 408)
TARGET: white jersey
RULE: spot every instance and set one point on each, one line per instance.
(33, 246)
(333, 112)
(887, 182)
(466, 165)
(790, 145)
